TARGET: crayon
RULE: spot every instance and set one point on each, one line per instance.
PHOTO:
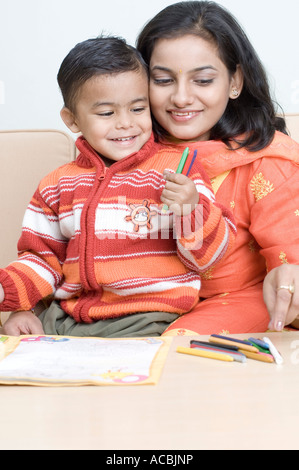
(216, 345)
(243, 346)
(258, 356)
(260, 348)
(183, 161)
(235, 340)
(179, 170)
(236, 355)
(206, 354)
(189, 163)
(259, 342)
(277, 357)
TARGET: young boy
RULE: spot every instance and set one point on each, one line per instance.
(96, 237)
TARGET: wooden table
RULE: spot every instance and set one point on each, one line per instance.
(197, 404)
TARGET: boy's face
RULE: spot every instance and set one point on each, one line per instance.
(113, 114)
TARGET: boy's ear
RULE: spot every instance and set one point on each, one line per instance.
(69, 120)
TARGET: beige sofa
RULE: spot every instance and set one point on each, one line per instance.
(25, 157)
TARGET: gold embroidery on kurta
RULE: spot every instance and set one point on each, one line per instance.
(260, 187)
(297, 213)
(283, 258)
(232, 205)
(208, 275)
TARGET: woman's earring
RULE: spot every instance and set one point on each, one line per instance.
(235, 93)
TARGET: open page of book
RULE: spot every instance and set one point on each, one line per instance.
(60, 360)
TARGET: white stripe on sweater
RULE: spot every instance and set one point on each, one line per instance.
(35, 221)
(162, 286)
(41, 268)
(187, 253)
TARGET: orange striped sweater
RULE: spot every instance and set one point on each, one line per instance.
(97, 239)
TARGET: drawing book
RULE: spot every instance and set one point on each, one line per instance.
(72, 361)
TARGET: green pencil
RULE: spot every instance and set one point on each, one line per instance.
(179, 170)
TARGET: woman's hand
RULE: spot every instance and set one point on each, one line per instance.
(23, 323)
(180, 194)
(282, 304)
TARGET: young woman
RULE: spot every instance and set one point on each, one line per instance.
(207, 85)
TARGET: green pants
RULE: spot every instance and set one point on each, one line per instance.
(56, 322)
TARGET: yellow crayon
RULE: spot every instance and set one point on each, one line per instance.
(206, 354)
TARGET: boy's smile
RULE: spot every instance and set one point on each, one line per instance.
(112, 112)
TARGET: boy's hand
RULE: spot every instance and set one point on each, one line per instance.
(180, 194)
(23, 323)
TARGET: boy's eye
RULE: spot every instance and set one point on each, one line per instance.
(106, 114)
(138, 110)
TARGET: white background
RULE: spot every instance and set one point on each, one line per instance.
(35, 36)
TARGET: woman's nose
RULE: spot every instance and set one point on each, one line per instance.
(182, 95)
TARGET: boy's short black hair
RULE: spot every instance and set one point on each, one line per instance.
(97, 56)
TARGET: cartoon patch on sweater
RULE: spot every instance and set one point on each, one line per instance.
(141, 215)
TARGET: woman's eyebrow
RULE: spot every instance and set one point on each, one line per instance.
(159, 67)
(196, 69)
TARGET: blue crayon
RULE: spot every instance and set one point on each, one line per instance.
(226, 338)
(260, 343)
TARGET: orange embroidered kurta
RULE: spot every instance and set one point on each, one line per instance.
(262, 190)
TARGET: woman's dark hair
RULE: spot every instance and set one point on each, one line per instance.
(253, 114)
(98, 56)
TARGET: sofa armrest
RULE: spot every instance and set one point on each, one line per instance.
(26, 156)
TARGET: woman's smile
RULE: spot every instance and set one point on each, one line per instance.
(183, 116)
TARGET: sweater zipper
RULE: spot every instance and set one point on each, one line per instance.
(87, 267)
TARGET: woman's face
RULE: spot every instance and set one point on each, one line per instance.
(189, 86)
